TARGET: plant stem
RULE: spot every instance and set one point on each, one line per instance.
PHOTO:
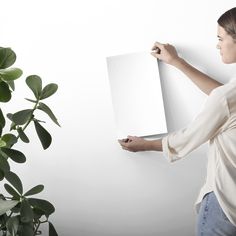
(31, 118)
(37, 227)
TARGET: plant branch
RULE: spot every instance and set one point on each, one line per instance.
(37, 227)
(31, 118)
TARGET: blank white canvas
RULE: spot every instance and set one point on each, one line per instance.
(136, 94)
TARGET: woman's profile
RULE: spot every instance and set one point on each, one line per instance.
(216, 124)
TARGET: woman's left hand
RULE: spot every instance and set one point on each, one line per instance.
(134, 144)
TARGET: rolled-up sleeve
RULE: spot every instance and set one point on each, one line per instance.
(204, 126)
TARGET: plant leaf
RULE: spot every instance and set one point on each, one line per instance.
(2, 122)
(12, 191)
(48, 91)
(7, 57)
(15, 181)
(26, 212)
(43, 205)
(35, 190)
(34, 82)
(30, 100)
(4, 165)
(2, 119)
(44, 136)
(10, 74)
(38, 213)
(22, 135)
(21, 117)
(2, 143)
(1, 175)
(52, 231)
(11, 84)
(12, 225)
(6, 205)
(16, 209)
(13, 125)
(9, 139)
(15, 155)
(9, 116)
(47, 110)
(27, 229)
(5, 93)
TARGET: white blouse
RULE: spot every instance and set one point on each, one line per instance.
(215, 123)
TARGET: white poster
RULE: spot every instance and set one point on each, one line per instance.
(136, 95)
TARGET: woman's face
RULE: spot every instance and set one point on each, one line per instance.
(226, 45)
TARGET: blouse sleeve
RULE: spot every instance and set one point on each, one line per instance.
(204, 126)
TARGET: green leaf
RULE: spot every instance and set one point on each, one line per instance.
(13, 125)
(2, 143)
(9, 116)
(9, 139)
(44, 136)
(48, 91)
(35, 190)
(6, 205)
(3, 220)
(22, 135)
(43, 205)
(2, 122)
(34, 82)
(27, 229)
(12, 225)
(15, 155)
(30, 100)
(11, 84)
(7, 57)
(38, 213)
(4, 165)
(2, 119)
(52, 231)
(21, 117)
(1, 175)
(15, 181)
(26, 212)
(10, 74)
(5, 93)
(47, 110)
(16, 209)
(12, 191)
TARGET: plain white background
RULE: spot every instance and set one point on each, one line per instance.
(98, 188)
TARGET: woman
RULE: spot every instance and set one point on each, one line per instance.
(216, 123)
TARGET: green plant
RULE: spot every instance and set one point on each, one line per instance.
(20, 214)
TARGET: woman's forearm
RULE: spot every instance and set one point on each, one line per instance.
(203, 81)
(154, 145)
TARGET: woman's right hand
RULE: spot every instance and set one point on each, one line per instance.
(165, 52)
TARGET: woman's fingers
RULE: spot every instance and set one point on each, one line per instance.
(125, 143)
(156, 55)
(168, 53)
(157, 48)
(157, 45)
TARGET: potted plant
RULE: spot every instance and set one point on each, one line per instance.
(21, 214)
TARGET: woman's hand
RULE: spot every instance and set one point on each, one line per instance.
(134, 144)
(166, 53)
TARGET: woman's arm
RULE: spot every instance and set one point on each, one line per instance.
(203, 81)
(168, 54)
(136, 144)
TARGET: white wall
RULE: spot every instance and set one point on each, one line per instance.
(98, 188)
